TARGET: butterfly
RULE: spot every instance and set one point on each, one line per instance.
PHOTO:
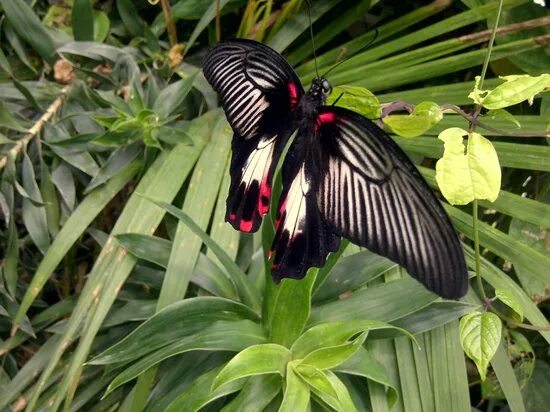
(342, 176)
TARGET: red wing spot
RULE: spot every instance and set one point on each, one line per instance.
(323, 118)
(280, 214)
(245, 226)
(232, 216)
(265, 194)
(293, 93)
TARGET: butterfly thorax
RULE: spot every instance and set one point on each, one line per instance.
(313, 99)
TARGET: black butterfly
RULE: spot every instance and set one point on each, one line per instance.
(342, 176)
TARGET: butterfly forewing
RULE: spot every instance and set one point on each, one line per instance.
(259, 92)
(371, 193)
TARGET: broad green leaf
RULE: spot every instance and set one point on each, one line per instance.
(83, 20)
(334, 334)
(349, 273)
(174, 322)
(480, 337)
(244, 286)
(319, 384)
(358, 99)
(296, 392)
(291, 309)
(130, 17)
(200, 393)
(516, 89)
(171, 97)
(34, 216)
(522, 358)
(342, 392)
(256, 394)
(102, 25)
(27, 25)
(254, 360)
(424, 116)
(117, 161)
(509, 299)
(502, 114)
(465, 177)
(362, 363)
(386, 302)
(330, 357)
(223, 335)
(537, 392)
(8, 121)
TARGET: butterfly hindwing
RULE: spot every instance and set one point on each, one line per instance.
(302, 239)
(372, 194)
(259, 91)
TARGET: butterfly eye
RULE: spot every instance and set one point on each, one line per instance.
(327, 88)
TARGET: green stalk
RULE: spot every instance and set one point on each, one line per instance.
(472, 128)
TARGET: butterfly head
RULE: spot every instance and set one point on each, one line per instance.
(320, 87)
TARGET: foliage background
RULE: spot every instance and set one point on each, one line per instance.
(100, 106)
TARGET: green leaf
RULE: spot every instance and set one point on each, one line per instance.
(320, 384)
(362, 363)
(171, 97)
(358, 99)
(334, 334)
(378, 302)
(330, 357)
(296, 393)
(291, 309)
(465, 177)
(244, 286)
(222, 335)
(199, 393)
(256, 394)
(130, 17)
(254, 360)
(516, 89)
(502, 114)
(117, 161)
(102, 25)
(8, 121)
(480, 337)
(424, 116)
(509, 299)
(27, 25)
(82, 19)
(174, 322)
(34, 216)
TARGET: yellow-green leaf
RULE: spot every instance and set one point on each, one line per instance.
(463, 177)
(515, 89)
(358, 99)
(424, 116)
(480, 336)
(509, 299)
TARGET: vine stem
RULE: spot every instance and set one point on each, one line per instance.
(169, 20)
(472, 129)
(36, 128)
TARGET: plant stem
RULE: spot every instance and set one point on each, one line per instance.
(218, 23)
(37, 127)
(476, 248)
(169, 20)
(472, 129)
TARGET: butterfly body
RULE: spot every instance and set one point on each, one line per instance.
(343, 176)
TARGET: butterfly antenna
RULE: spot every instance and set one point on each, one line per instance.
(311, 34)
(349, 57)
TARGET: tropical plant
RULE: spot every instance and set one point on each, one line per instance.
(124, 289)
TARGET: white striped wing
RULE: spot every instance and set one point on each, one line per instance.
(259, 92)
(256, 85)
(373, 195)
